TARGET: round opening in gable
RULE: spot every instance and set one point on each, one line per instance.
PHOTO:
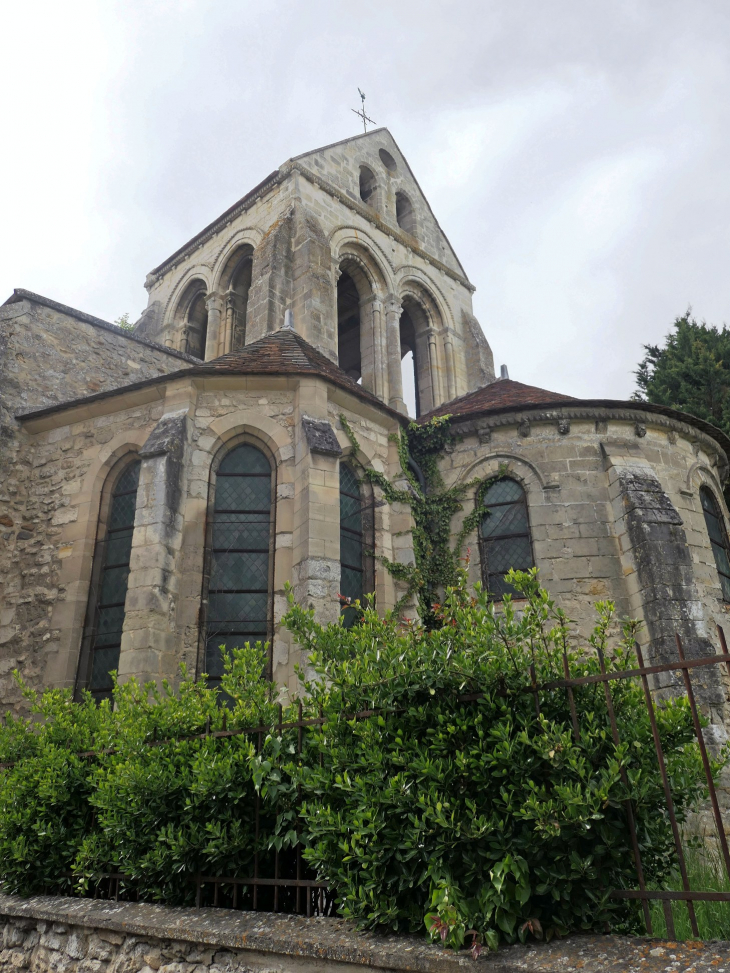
(388, 161)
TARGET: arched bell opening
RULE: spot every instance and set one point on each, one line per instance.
(409, 365)
(418, 382)
(368, 187)
(349, 355)
(192, 319)
(405, 214)
(236, 287)
(361, 350)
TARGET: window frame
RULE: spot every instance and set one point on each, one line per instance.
(484, 543)
(719, 516)
(223, 451)
(98, 566)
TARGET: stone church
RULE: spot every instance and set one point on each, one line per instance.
(161, 485)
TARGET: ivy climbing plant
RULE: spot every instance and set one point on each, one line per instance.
(433, 507)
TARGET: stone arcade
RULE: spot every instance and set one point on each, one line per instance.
(159, 487)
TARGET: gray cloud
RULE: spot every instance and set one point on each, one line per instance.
(575, 153)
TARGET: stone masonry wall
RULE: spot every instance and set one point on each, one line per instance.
(301, 226)
(50, 354)
(178, 429)
(46, 563)
(64, 935)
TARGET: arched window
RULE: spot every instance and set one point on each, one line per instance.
(356, 542)
(409, 364)
(349, 355)
(240, 561)
(368, 186)
(105, 617)
(235, 281)
(718, 538)
(504, 536)
(404, 213)
(197, 326)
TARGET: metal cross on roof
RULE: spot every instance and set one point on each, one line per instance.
(361, 113)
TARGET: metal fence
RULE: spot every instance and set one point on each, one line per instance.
(281, 882)
(685, 667)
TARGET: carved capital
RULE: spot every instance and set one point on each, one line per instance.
(393, 305)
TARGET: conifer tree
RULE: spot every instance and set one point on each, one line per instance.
(691, 372)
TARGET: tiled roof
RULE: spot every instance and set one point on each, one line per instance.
(283, 352)
(504, 394)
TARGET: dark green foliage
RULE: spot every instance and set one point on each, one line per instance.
(476, 814)
(691, 372)
(169, 812)
(473, 815)
(159, 814)
(44, 797)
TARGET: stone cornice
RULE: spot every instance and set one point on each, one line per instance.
(622, 412)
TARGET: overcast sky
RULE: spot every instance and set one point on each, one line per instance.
(575, 151)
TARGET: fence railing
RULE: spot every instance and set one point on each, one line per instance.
(282, 882)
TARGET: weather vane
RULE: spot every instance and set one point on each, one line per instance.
(361, 113)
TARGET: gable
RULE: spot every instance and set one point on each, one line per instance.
(393, 183)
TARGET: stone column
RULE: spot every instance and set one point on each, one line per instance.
(225, 342)
(450, 365)
(316, 526)
(381, 352)
(433, 364)
(215, 306)
(368, 346)
(393, 311)
(659, 572)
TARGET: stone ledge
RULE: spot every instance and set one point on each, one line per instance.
(332, 944)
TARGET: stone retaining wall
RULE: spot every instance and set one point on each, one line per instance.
(64, 935)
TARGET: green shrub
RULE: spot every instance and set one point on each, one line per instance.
(166, 813)
(447, 800)
(476, 815)
(45, 809)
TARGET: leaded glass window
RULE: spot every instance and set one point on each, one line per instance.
(718, 538)
(240, 556)
(504, 536)
(102, 654)
(352, 566)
